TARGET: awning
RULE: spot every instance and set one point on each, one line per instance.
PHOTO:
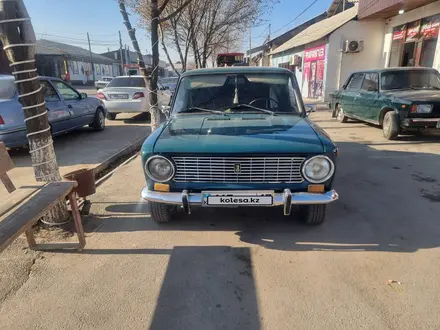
(318, 31)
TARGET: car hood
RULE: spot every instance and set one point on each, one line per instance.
(238, 133)
(421, 95)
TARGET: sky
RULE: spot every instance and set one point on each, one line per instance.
(68, 21)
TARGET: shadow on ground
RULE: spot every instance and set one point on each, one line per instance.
(207, 287)
(389, 201)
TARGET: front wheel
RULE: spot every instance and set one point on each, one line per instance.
(99, 121)
(313, 214)
(161, 212)
(390, 126)
(340, 116)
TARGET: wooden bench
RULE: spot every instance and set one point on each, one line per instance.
(23, 207)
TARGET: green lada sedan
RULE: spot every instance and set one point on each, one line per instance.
(238, 137)
(401, 100)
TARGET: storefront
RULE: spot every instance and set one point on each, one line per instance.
(414, 43)
(313, 72)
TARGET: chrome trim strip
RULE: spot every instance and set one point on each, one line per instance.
(416, 120)
(279, 199)
(287, 196)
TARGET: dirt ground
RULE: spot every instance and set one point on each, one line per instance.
(372, 265)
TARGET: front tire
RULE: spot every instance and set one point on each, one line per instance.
(161, 212)
(390, 127)
(314, 214)
(340, 116)
(99, 121)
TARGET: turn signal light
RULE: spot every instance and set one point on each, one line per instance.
(2, 122)
(162, 187)
(413, 108)
(138, 95)
(316, 188)
(100, 96)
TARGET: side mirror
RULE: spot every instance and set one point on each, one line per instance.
(166, 109)
(83, 95)
(309, 109)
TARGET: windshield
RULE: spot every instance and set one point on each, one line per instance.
(7, 88)
(238, 93)
(127, 82)
(410, 79)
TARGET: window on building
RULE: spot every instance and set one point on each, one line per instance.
(414, 43)
(355, 82)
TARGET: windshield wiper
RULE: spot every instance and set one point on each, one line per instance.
(238, 106)
(197, 109)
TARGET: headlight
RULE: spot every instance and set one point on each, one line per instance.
(318, 169)
(159, 168)
(421, 108)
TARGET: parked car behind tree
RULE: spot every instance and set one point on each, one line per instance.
(67, 109)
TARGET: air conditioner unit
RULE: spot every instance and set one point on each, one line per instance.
(353, 46)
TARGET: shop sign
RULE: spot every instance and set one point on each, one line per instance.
(314, 54)
(413, 31)
(430, 26)
(399, 32)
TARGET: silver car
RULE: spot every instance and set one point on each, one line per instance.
(103, 82)
(124, 94)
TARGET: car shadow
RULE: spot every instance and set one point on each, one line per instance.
(389, 201)
(208, 287)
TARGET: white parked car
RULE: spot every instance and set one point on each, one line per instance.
(124, 94)
(103, 82)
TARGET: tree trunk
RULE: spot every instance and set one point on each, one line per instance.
(165, 49)
(12, 34)
(155, 114)
(132, 34)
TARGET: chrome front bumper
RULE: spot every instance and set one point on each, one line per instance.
(285, 199)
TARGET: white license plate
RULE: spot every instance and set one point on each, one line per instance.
(119, 96)
(237, 198)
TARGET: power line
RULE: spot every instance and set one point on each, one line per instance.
(298, 16)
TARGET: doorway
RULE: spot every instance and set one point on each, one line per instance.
(409, 57)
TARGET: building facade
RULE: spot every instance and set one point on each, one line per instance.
(411, 31)
(323, 57)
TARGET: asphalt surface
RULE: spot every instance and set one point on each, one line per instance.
(372, 265)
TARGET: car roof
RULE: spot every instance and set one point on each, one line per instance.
(132, 76)
(235, 69)
(395, 69)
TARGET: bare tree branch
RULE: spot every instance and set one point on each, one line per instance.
(182, 7)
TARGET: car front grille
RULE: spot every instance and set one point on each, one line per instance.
(240, 169)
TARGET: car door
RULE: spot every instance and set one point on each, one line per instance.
(367, 102)
(82, 113)
(352, 91)
(57, 111)
(163, 94)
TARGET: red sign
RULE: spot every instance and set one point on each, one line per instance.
(399, 32)
(413, 30)
(430, 26)
(314, 54)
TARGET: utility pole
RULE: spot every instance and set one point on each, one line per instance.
(343, 5)
(91, 58)
(120, 54)
(268, 37)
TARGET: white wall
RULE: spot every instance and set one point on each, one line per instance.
(288, 57)
(338, 69)
(413, 15)
(77, 71)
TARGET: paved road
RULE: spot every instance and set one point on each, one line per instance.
(82, 148)
(254, 269)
